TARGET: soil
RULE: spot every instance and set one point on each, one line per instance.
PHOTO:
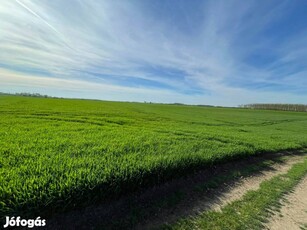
(293, 214)
(253, 182)
(222, 196)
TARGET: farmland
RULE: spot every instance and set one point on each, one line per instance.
(61, 154)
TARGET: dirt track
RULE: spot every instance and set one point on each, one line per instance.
(229, 193)
(293, 214)
(253, 182)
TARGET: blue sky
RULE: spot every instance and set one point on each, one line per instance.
(215, 52)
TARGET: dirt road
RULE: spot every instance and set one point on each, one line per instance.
(293, 214)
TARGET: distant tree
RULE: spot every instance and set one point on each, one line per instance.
(284, 107)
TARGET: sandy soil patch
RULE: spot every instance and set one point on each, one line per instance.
(293, 214)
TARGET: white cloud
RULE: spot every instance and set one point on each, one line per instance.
(78, 41)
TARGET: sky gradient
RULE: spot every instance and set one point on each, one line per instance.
(226, 52)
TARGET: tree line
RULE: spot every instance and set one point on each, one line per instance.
(25, 94)
(284, 107)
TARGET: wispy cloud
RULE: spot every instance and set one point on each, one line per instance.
(223, 52)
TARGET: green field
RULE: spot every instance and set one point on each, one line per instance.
(57, 154)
